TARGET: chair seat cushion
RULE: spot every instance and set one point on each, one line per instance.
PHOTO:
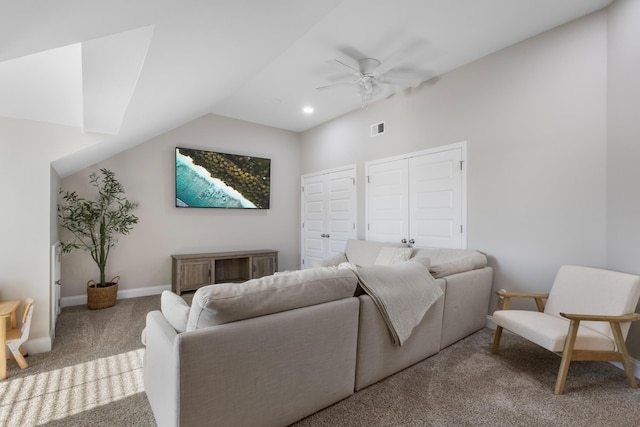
(550, 331)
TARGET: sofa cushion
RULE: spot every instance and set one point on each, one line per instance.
(331, 261)
(229, 302)
(403, 293)
(364, 252)
(445, 262)
(390, 255)
(175, 310)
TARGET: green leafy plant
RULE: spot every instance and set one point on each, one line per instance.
(96, 223)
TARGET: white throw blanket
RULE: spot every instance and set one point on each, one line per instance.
(402, 292)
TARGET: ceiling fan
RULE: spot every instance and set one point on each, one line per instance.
(371, 77)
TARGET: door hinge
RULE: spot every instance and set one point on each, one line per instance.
(302, 188)
(461, 162)
(353, 180)
(368, 179)
(368, 227)
(303, 225)
(460, 229)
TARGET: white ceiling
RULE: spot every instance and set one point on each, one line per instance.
(136, 69)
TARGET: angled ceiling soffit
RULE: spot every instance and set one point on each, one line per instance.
(88, 85)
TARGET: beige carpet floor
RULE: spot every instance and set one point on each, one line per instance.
(93, 377)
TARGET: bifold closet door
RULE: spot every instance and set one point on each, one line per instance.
(328, 214)
(435, 203)
(418, 199)
(388, 201)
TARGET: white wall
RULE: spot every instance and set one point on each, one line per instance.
(534, 118)
(143, 258)
(623, 149)
(27, 183)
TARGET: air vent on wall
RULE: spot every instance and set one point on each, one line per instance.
(377, 129)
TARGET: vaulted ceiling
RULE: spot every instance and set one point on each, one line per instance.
(135, 69)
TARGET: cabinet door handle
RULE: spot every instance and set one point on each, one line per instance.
(403, 241)
(323, 235)
(328, 236)
(412, 241)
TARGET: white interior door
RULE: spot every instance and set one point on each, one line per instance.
(341, 210)
(387, 201)
(435, 208)
(314, 245)
(418, 198)
(328, 214)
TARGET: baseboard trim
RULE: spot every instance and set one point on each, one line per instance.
(634, 362)
(122, 294)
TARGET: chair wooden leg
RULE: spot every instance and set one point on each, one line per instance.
(622, 349)
(19, 357)
(567, 352)
(496, 340)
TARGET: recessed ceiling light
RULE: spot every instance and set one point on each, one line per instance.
(307, 110)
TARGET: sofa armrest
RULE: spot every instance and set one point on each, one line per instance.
(466, 304)
(161, 370)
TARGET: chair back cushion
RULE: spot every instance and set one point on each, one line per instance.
(586, 290)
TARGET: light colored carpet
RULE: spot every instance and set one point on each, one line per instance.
(93, 377)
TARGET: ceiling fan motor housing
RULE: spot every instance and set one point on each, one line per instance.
(367, 66)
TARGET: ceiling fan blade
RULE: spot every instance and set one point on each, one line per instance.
(348, 67)
(390, 64)
(337, 84)
(406, 82)
(409, 50)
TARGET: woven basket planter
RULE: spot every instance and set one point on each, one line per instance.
(102, 297)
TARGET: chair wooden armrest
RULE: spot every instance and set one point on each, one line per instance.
(630, 317)
(508, 295)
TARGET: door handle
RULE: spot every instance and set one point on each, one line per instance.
(403, 241)
(412, 241)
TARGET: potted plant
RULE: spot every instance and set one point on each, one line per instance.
(95, 225)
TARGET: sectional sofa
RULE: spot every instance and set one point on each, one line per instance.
(271, 351)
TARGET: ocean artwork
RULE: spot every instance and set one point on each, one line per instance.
(216, 180)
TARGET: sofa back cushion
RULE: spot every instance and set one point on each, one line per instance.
(228, 302)
(365, 252)
(445, 262)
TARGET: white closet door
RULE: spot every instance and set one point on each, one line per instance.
(314, 245)
(329, 214)
(387, 201)
(418, 198)
(435, 210)
(341, 209)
